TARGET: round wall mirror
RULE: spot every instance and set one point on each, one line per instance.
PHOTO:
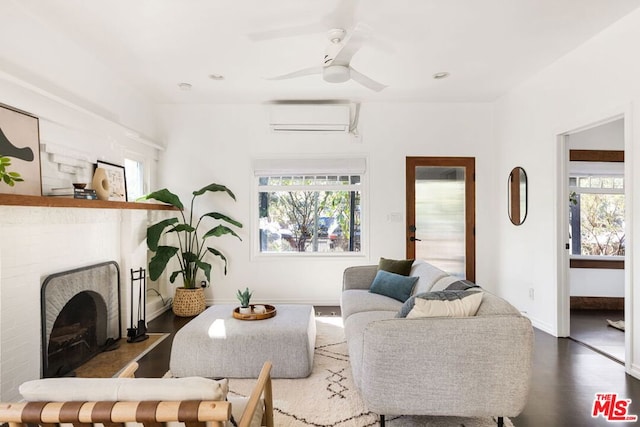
(517, 196)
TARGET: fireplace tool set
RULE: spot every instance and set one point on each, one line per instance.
(138, 332)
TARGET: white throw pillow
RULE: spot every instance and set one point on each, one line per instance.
(462, 307)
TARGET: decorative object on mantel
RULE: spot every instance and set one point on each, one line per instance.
(191, 250)
(19, 152)
(244, 297)
(117, 180)
(100, 184)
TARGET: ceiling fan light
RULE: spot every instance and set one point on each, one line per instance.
(336, 74)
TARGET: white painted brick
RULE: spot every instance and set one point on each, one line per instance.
(37, 242)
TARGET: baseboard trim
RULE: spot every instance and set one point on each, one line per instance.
(597, 303)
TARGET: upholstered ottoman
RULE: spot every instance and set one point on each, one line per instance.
(216, 345)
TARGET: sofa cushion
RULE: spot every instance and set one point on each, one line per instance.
(397, 266)
(393, 285)
(354, 327)
(427, 276)
(441, 304)
(358, 300)
(123, 389)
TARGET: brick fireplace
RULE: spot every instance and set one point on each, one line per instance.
(81, 316)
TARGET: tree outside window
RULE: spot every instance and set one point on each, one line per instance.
(317, 214)
(597, 210)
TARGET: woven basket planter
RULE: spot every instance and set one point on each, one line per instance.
(188, 302)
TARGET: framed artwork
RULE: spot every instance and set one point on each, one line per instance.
(117, 180)
(19, 152)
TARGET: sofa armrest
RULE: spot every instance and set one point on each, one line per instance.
(473, 366)
(358, 277)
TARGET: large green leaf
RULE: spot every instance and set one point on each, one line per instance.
(160, 260)
(214, 188)
(220, 230)
(182, 227)
(164, 196)
(189, 257)
(219, 254)
(217, 215)
(154, 232)
(174, 275)
(206, 267)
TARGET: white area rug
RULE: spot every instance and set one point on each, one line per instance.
(328, 397)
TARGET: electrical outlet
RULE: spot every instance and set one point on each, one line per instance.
(531, 294)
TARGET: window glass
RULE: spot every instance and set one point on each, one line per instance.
(597, 210)
(309, 214)
(134, 173)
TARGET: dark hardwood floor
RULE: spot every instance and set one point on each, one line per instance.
(590, 327)
(566, 377)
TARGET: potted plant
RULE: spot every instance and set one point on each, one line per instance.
(244, 297)
(191, 250)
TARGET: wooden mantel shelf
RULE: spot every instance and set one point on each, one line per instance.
(70, 202)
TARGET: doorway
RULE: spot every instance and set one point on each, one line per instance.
(441, 213)
(594, 284)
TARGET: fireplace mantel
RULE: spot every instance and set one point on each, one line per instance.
(69, 202)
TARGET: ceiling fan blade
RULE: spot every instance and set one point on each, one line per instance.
(277, 33)
(352, 44)
(366, 81)
(300, 73)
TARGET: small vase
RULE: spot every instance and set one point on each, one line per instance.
(245, 310)
(100, 183)
(188, 302)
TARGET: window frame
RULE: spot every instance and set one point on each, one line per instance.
(306, 170)
(596, 156)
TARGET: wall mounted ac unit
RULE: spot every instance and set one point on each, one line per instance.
(322, 118)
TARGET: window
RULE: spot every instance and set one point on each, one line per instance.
(134, 173)
(308, 211)
(597, 215)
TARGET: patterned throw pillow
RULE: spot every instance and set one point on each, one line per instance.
(447, 303)
(393, 285)
(397, 266)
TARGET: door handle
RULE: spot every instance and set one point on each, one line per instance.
(413, 239)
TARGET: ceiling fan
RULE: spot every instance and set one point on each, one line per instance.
(336, 67)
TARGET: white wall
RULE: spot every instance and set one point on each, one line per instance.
(36, 242)
(217, 144)
(596, 81)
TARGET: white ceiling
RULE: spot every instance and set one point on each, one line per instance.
(488, 46)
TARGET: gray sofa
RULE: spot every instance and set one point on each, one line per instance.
(468, 366)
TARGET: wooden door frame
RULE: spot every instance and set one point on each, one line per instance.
(470, 203)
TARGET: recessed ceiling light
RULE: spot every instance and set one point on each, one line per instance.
(441, 75)
(216, 76)
(184, 86)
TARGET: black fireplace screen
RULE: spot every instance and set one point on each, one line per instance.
(80, 316)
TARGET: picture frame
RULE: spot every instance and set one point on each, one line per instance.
(117, 180)
(20, 171)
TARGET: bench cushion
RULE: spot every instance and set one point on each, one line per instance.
(123, 389)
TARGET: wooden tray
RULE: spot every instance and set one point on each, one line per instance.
(271, 311)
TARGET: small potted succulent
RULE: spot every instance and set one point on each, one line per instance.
(244, 297)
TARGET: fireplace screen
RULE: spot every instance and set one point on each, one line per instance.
(80, 316)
